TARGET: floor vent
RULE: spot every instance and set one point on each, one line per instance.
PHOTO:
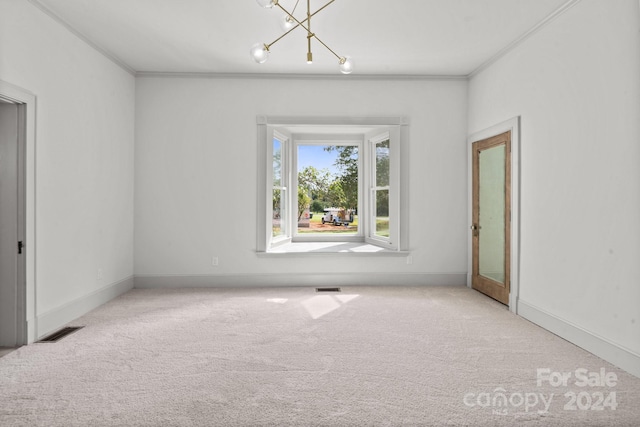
(328, 290)
(58, 335)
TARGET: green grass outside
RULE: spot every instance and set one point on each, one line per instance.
(382, 226)
(341, 229)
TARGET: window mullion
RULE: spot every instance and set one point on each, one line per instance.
(291, 193)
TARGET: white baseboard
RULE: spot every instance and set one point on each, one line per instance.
(60, 316)
(290, 280)
(601, 347)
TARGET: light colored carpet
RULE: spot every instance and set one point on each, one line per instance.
(6, 350)
(290, 356)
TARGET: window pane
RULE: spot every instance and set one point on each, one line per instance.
(279, 206)
(382, 163)
(278, 220)
(277, 163)
(492, 213)
(382, 212)
(327, 189)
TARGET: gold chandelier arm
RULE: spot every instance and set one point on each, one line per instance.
(268, 45)
(328, 48)
(299, 23)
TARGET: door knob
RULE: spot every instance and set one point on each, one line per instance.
(475, 228)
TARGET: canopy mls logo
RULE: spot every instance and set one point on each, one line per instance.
(500, 401)
(592, 392)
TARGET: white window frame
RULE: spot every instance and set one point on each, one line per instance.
(285, 189)
(373, 188)
(373, 138)
(397, 130)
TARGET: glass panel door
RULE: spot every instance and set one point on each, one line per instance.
(491, 228)
(492, 213)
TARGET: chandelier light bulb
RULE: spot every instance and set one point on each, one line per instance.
(266, 3)
(259, 53)
(346, 65)
(287, 23)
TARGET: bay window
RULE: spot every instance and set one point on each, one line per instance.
(330, 183)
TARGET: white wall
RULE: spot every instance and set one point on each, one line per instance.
(196, 183)
(576, 86)
(84, 158)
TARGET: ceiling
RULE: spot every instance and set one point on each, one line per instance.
(402, 37)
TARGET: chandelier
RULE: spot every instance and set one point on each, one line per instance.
(260, 51)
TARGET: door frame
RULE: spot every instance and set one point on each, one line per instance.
(26, 101)
(512, 125)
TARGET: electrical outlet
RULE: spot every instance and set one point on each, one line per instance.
(409, 260)
(99, 274)
(214, 260)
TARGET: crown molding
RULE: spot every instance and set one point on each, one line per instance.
(297, 76)
(517, 42)
(333, 120)
(110, 56)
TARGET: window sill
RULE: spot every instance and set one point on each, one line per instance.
(331, 248)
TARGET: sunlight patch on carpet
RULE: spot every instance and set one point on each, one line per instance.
(278, 300)
(346, 298)
(322, 305)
